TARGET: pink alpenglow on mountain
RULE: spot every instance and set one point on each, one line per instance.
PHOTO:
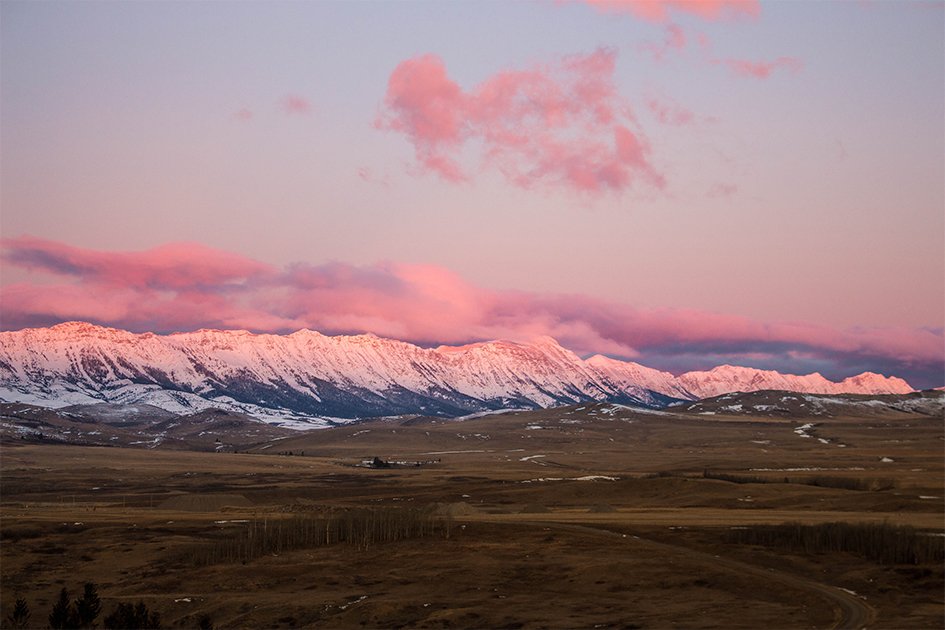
(310, 374)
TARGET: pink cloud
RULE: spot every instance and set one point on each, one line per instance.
(709, 10)
(295, 104)
(669, 112)
(746, 67)
(675, 40)
(761, 69)
(561, 124)
(172, 266)
(243, 115)
(428, 108)
(186, 286)
(660, 10)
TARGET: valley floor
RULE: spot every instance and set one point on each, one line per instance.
(577, 517)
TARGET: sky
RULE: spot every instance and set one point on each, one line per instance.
(682, 184)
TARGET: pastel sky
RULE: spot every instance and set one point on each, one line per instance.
(679, 183)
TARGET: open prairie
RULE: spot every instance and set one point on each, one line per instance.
(587, 516)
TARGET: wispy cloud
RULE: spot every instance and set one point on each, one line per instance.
(675, 37)
(674, 40)
(296, 105)
(761, 69)
(662, 10)
(669, 112)
(369, 176)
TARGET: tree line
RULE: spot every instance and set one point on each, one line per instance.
(84, 611)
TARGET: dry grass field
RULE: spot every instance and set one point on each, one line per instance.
(587, 516)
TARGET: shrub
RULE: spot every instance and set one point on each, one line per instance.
(708, 474)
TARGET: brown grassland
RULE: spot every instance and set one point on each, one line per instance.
(588, 516)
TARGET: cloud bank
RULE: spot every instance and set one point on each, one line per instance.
(189, 286)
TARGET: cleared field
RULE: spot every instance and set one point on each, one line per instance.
(574, 517)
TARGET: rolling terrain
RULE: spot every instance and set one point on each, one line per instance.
(585, 515)
(147, 426)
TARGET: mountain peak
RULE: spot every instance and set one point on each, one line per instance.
(306, 332)
(544, 341)
(352, 376)
(873, 383)
(76, 327)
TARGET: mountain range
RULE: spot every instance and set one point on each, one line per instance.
(309, 376)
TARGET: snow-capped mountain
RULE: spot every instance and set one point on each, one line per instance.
(307, 374)
(727, 378)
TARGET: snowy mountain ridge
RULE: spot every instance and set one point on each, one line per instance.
(310, 375)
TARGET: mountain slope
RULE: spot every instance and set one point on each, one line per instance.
(307, 374)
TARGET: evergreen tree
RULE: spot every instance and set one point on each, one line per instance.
(137, 617)
(20, 617)
(63, 614)
(88, 607)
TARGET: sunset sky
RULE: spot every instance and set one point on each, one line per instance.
(683, 184)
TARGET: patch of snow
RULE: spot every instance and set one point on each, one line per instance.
(493, 412)
(655, 412)
(802, 430)
(584, 478)
(352, 603)
(854, 593)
